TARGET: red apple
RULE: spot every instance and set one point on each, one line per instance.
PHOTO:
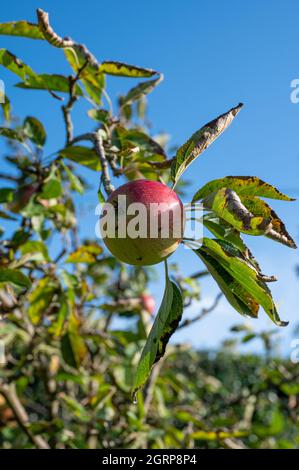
(142, 222)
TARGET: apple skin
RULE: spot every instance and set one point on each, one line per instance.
(148, 303)
(146, 251)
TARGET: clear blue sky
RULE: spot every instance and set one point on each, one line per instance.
(213, 55)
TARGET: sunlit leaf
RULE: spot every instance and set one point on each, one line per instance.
(243, 186)
(85, 254)
(125, 70)
(199, 141)
(21, 28)
(82, 155)
(244, 273)
(166, 322)
(35, 130)
(14, 277)
(226, 204)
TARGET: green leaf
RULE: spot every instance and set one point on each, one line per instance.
(278, 232)
(76, 184)
(21, 28)
(6, 194)
(82, 155)
(40, 299)
(5, 105)
(36, 247)
(58, 325)
(101, 115)
(85, 254)
(166, 322)
(13, 134)
(140, 90)
(15, 277)
(199, 141)
(35, 131)
(15, 65)
(49, 82)
(216, 435)
(52, 188)
(228, 206)
(73, 346)
(221, 229)
(234, 292)
(90, 75)
(244, 273)
(243, 186)
(125, 70)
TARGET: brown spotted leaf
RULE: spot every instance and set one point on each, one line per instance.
(226, 204)
(166, 322)
(278, 231)
(234, 292)
(125, 70)
(244, 186)
(200, 140)
(244, 273)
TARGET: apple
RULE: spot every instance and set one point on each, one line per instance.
(148, 303)
(142, 222)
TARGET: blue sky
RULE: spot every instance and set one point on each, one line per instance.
(213, 55)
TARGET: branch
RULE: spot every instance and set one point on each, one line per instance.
(202, 314)
(88, 136)
(10, 395)
(57, 41)
(99, 148)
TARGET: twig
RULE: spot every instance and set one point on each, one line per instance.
(105, 177)
(203, 313)
(79, 138)
(58, 41)
(10, 395)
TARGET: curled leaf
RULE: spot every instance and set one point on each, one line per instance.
(200, 140)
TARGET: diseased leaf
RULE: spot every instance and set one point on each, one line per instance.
(14, 277)
(166, 322)
(82, 155)
(125, 70)
(278, 232)
(244, 273)
(243, 186)
(199, 141)
(21, 28)
(35, 131)
(140, 90)
(15, 65)
(228, 206)
(85, 254)
(234, 292)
